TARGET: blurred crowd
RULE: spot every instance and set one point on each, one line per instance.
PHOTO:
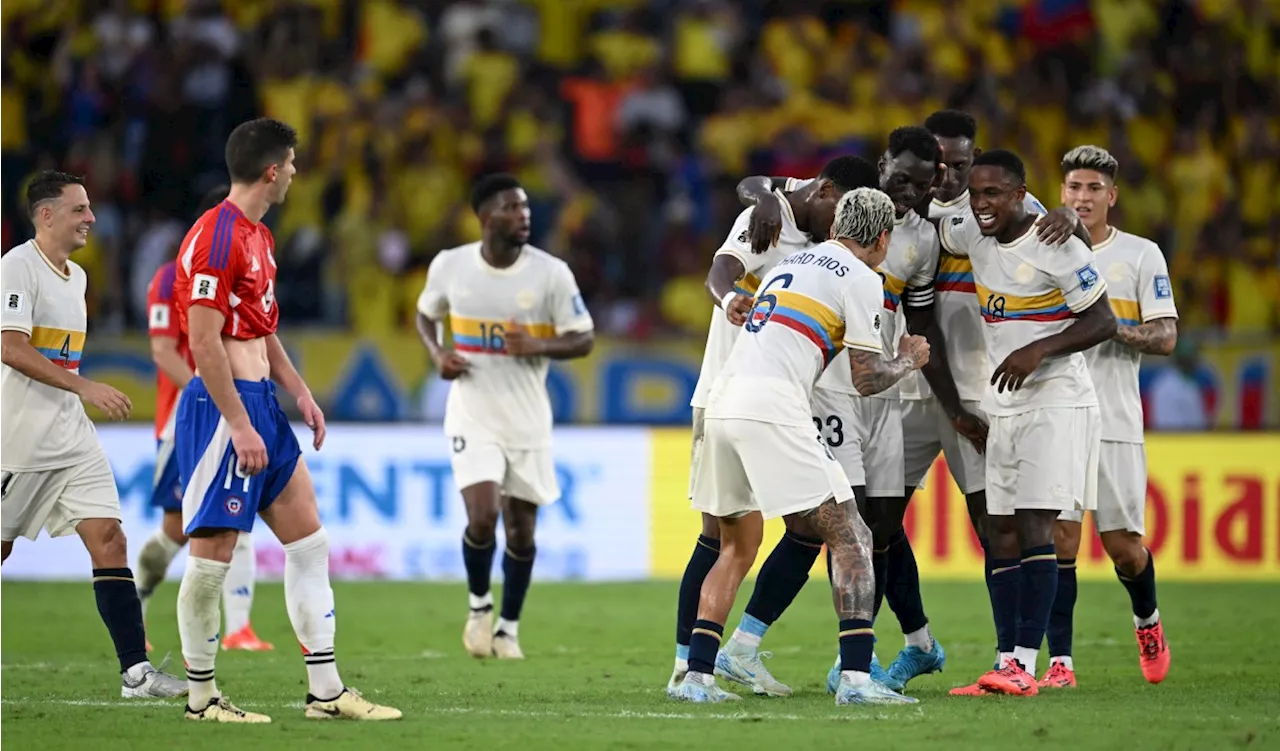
(629, 122)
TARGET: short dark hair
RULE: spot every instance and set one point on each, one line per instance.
(850, 173)
(214, 197)
(489, 186)
(48, 185)
(1006, 160)
(257, 144)
(952, 124)
(917, 140)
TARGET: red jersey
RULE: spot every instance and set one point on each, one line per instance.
(162, 320)
(226, 264)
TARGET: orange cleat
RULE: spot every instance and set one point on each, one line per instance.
(1058, 676)
(973, 689)
(1153, 652)
(1010, 679)
(246, 640)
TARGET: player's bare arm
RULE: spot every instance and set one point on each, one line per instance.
(765, 226)
(721, 280)
(1096, 324)
(923, 321)
(164, 353)
(1060, 225)
(16, 352)
(204, 325)
(283, 373)
(1156, 337)
(450, 364)
(873, 374)
(570, 346)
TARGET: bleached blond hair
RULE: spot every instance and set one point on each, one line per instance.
(1090, 157)
(863, 215)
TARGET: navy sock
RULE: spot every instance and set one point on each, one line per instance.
(856, 642)
(121, 611)
(1002, 583)
(782, 576)
(880, 569)
(704, 642)
(1142, 588)
(704, 557)
(477, 557)
(1037, 585)
(903, 587)
(517, 572)
(1063, 613)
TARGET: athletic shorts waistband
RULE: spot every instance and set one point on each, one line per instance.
(247, 388)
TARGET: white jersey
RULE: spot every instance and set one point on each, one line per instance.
(810, 307)
(44, 427)
(1029, 290)
(722, 334)
(958, 310)
(1140, 291)
(502, 398)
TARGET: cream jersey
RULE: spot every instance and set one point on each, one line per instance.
(1029, 290)
(722, 334)
(501, 399)
(1140, 291)
(957, 307)
(44, 427)
(907, 275)
(813, 304)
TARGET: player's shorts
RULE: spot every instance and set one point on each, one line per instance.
(166, 486)
(526, 474)
(748, 465)
(926, 431)
(865, 436)
(1043, 459)
(1122, 489)
(57, 500)
(695, 450)
(215, 493)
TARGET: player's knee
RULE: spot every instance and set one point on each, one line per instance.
(107, 545)
(1066, 539)
(1126, 551)
(520, 533)
(482, 523)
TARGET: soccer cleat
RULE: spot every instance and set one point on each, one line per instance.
(220, 709)
(1153, 652)
(154, 684)
(506, 647)
(1010, 679)
(913, 661)
(871, 692)
(677, 677)
(878, 674)
(349, 705)
(973, 689)
(477, 635)
(701, 688)
(245, 639)
(743, 665)
(1058, 676)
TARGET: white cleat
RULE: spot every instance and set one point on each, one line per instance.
(506, 647)
(477, 635)
(154, 684)
(220, 709)
(742, 665)
(677, 677)
(350, 705)
(701, 688)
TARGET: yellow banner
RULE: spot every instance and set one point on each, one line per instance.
(1213, 513)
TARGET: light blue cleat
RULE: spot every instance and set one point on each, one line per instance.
(878, 674)
(871, 692)
(913, 661)
(701, 688)
(742, 665)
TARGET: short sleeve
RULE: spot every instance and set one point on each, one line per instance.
(1033, 205)
(210, 260)
(1075, 273)
(569, 313)
(958, 233)
(738, 244)
(162, 318)
(796, 183)
(1155, 290)
(434, 300)
(919, 292)
(19, 295)
(863, 303)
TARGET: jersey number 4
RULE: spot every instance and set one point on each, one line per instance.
(766, 303)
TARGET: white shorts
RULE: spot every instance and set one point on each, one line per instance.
(1122, 489)
(1043, 459)
(57, 499)
(865, 436)
(695, 450)
(777, 470)
(926, 431)
(526, 474)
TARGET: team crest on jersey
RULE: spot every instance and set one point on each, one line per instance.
(1088, 277)
(1164, 288)
(234, 506)
(525, 299)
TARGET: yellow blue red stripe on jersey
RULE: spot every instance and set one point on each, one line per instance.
(62, 347)
(747, 285)
(809, 318)
(490, 337)
(1128, 312)
(997, 307)
(955, 274)
(893, 287)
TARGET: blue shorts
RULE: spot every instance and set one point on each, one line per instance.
(214, 494)
(166, 488)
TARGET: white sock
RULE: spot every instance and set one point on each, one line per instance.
(510, 628)
(237, 590)
(857, 678)
(921, 638)
(1027, 656)
(1065, 660)
(1152, 620)
(153, 561)
(309, 599)
(198, 620)
(682, 665)
(481, 602)
(1002, 658)
(747, 640)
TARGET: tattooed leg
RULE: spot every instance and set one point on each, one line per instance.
(849, 540)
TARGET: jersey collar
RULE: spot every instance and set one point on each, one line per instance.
(66, 276)
(1112, 233)
(948, 204)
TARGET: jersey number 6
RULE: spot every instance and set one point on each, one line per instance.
(766, 303)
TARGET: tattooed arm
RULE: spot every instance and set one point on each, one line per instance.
(873, 374)
(1156, 337)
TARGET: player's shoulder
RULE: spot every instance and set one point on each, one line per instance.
(546, 262)
(19, 255)
(448, 256)
(1137, 245)
(1032, 204)
(162, 281)
(862, 274)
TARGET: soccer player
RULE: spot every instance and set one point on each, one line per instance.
(174, 368)
(512, 309)
(1042, 307)
(735, 275)
(237, 454)
(55, 475)
(761, 456)
(1142, 299)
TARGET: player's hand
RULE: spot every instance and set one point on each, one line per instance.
(313, 417)
(1016, 367)
(915, 349)
(520, 343)
(1056, 227)
(250, 449)
(451, 365)
(739, 308)
(973, 428)
(765, 225)
(114, 405)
